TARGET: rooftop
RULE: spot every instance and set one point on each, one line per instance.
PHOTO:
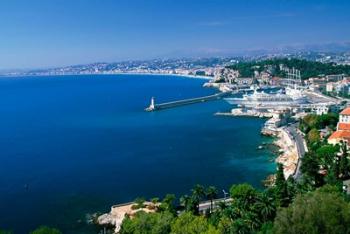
(340, 134)
(346, 111)
(344, 126)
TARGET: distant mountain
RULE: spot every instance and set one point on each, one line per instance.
(336, 47)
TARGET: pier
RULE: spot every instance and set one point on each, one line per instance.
(161, 106)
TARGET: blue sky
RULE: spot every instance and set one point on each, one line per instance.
(50, 33)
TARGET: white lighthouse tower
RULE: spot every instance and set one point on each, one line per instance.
(152, 106)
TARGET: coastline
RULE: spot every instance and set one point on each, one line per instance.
(288, 154)
(109, 74)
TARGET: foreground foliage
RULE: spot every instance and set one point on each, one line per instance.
(39, 230)
(46, 230)
(319, 212)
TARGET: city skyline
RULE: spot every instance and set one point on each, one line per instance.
(58, 33)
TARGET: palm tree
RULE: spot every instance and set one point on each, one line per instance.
(155, 202)
(185, 201)
(266, 206)
(252, 221)
(139, 202)
(198, 193)
(211, 194)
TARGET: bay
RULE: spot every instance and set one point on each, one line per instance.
(73, 145)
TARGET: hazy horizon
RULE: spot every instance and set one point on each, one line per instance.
(39, 34)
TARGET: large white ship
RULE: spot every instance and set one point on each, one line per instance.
(291, 97)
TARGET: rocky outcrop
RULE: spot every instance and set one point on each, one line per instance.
(118, 212)
(289, 155)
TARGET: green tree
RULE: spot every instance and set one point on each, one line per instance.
(155, 200)
(309, 122)
(328, 120)
(225, 225)
(344, 164)
(211, 194)
(326, 155)
(266, 207)
(168, 203)
(140, 203)
(46, 230)
(316, 212)
(313, 136)
(243, 194)
(155, 203)
(147, 223)
(187, 223)
(198, 192)
(5, 232)
(310, 167)
(331, 177)
(187, 202)
(281, 187)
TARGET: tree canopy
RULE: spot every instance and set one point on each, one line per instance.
(143, 223)
(316, 212)
(46, 230)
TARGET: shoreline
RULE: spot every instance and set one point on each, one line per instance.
(109, 74)
(288, 154)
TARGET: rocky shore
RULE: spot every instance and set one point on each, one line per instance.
(118, 212)
(288, 152)
(243, 112)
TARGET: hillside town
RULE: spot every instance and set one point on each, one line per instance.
(205, 66)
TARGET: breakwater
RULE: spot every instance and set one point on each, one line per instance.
(167, 105)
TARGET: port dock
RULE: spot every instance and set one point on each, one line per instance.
(161, 106)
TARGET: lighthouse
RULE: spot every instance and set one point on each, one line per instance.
(152, 106)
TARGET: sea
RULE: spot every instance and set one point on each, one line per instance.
(71, 146)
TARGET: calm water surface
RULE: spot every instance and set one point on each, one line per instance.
(74, 145)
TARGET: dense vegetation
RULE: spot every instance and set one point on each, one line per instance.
(324, 163)
(308, 68)
(40, 230)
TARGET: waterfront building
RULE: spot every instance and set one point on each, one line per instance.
(275, 81)
(330, 87)
(321, 109)
(316, 83)
(335, 78)
(244, 81)
(265, 77)
(343, 128)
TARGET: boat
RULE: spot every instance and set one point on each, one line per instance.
(291, 97)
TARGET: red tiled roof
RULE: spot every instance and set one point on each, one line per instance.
(340, 135)
(344, 126)
(346, 111)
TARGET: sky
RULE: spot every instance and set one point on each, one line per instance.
(51, 33)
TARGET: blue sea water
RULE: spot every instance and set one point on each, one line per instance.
(72, 145)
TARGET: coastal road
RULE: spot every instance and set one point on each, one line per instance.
(300, 144)
(205, 205)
